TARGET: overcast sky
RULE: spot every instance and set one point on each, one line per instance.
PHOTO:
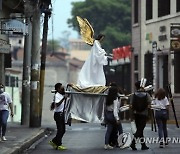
(61, 12)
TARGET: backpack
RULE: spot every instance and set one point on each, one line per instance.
(140, 102)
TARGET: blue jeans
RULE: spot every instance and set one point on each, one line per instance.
(111, 126)
(4, 114)
(161, 119)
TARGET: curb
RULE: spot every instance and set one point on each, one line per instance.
(27, 143)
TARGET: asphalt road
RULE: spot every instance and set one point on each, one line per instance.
(89, 139)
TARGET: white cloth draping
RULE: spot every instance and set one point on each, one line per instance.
(92, 73)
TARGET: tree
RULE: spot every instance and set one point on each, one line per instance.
(110, 17)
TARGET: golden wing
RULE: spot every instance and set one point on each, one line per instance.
(86, 30)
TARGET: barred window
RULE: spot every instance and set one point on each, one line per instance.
(163, 7)
(177, 5)
(136, 7)
(149, 8)
(11, 81)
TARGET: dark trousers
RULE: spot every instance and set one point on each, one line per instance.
(140, 121)
(117, 130)
(161, 120)
(4, 114)
(60, 123)
(112, 128)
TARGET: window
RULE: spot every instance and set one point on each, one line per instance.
(177, 5)
(136, 11)
(11, 81)
(7, 80)
(149, 5)
(135, 62)
(163, 7)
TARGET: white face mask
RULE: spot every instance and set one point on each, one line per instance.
(1, 90)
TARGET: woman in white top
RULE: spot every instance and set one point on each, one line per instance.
(5, 105)
(161, 115)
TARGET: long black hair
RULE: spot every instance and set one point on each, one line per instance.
(112, 95)
(99, 37)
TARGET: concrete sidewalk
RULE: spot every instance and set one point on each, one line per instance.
(20, 138)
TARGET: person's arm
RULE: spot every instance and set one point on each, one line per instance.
(11, 108)
(115, 110)
(10, 104)
(167, 103)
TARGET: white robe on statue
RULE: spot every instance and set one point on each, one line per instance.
(92, 73)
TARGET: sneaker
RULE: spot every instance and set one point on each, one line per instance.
(61, 147)
(107, 146)
(133, 147)
(53, 144)
(4, 138)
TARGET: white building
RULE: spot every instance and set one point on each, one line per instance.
(151, 22)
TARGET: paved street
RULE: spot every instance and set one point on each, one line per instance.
(89, 138)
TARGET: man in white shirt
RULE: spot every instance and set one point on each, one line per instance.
(5, 104)
(59, 118)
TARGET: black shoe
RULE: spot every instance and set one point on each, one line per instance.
(133, 147)
(166, 144)
(161, 145)
(144, 148)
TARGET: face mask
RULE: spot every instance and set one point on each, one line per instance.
(1, 90)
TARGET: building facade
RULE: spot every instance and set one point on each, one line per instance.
(151, 39)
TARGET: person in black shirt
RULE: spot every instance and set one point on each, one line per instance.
(140, 116)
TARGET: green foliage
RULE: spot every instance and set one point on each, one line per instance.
(111, 17)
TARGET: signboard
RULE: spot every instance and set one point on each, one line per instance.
(4, 46)
(175, 45)
(175, 31)
(13, 27)
(175, 37)
(154, 51)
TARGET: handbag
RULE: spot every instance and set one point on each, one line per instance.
(133, 127)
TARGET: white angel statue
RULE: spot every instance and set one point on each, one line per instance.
(92, 73)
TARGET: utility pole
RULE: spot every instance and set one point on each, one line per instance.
(26, 66)
(47, 13)
(35, 61)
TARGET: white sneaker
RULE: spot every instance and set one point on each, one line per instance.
(4, 138)
(107, 146)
